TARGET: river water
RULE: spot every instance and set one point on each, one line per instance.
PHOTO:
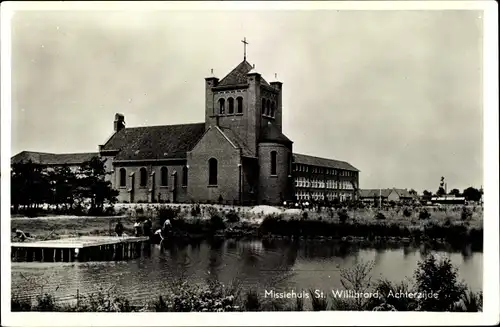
(260, 265)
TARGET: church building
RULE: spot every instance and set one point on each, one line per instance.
(238, 155)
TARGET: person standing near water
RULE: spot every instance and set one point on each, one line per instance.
(146, 227)
(167, 227)
(119, 228)
(137, 228)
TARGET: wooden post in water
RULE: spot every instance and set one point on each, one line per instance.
(42, 255)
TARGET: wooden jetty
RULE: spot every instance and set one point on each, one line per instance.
(84, 248)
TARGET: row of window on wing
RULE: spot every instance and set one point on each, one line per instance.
(212, 173)
(143, 176)
(268, 107)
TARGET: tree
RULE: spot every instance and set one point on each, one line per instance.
(472, 194)
(30, 185)
(441, 191)
(455, 192)
(64, 183)
(92, 185)
(413, 192)
(438, 278)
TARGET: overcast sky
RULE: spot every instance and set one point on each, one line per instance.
(398, 94)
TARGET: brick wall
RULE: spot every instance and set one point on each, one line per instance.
(214, 145)
(153, 190)
(273, 189)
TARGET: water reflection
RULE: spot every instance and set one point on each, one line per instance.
(256, 264)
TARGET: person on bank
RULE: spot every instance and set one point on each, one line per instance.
(147, 225)
(167, 228)
(137, 228)
(119, 229)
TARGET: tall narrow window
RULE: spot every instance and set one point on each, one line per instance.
(222, 106)
(164, 176)
(268, 107)
(212, 171)
(239, 101)
(230, 103)
(184, 176)
(123, 177)
(143, 177)
(273, 109)
(263, 109)
(273, 163)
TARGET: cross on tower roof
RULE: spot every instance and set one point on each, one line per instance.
(244, 48)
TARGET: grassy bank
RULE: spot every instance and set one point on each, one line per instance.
(455, 225)
(432, 277)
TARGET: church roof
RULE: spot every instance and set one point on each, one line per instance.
(44, 158)
(155, 142)
(238, 75)
(272, 134)
(245, 151)
(322, 162)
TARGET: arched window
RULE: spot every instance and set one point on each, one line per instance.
(273, 109)
(184, 176)
(273, 162)
(239, 101)
(144, 177)
(230, 102)
(263, 106)
(164, 176)
(212, 171)
(222, 106)
(123, 177)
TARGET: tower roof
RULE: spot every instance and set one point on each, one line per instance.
(270, 133)
(238, 75)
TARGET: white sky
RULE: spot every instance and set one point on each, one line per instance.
(398, 94)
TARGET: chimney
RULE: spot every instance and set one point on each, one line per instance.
(119, 123)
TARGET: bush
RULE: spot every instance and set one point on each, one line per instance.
(252, 301)
(167, 212)
(232, 216)
(343, 215)
(305, 215)
(466, 214)
(194, 298)
(441, 278)
(17, 305)
(407, 212)
(380, 216)
(424, 214)
(195, 210)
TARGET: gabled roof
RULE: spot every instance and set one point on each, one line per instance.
(270, 133)
(322, 162)
(239, 143)
(155, 142)
(370, 193)
(238, 75)
(44, 158)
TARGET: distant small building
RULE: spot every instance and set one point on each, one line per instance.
(448, 199)
(385, 195)
(54, 160)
